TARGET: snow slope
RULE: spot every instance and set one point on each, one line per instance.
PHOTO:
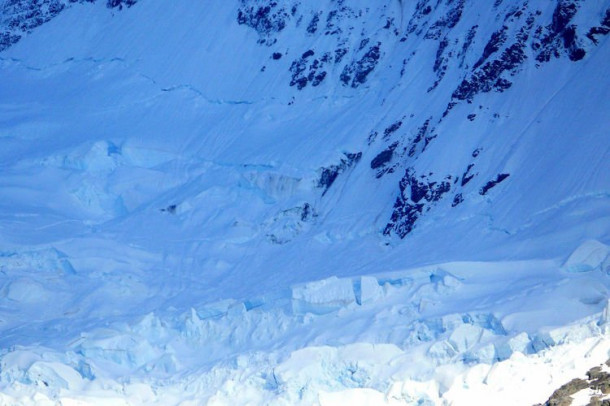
(249, 198)
(458, 333)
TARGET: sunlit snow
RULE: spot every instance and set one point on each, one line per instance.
(336, 202)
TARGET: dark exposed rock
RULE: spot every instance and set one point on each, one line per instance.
(561, 35)
(496, 41)
(597, 401)
(372, 137)
(7, 39)
(307, 212)
(120, 3)
(577, 54)
(440, 63)
(265, 18)
(307, 54)
(600, 382)
(19, 17)
(357, 72)
(404, 67)
(339, 54)
(422, 9)
(448, 21)
(467, 43)
(388, 23)
(364, 42)
(23, 15)
(416, 196)
(450, 105)
(597, 380)
(563, 14)
(515, 13)
(595, 373)
(422, 138)
(418, 144)
(604, 29)
(313, 24)
(391, 129)
(467, 176)
(562, 395)
(595, 31)
(317, 78)
(329, 175)
(304, 70)
(489, 76)
(332, 23)
(492, 183)
(383, 157)
(171, 209)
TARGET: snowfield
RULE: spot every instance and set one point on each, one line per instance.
(303, 203)
(456, 333)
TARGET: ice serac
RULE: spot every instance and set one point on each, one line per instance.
(589, 256)
(231, 190)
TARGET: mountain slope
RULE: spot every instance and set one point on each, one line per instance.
(160, 159)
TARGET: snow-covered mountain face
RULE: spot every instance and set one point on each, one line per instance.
(158, 158)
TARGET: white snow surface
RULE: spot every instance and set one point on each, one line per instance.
(452, 334)
(164, 238)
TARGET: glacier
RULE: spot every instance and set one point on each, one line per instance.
(288, 202)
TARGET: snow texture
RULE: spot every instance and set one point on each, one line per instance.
(289, 202)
